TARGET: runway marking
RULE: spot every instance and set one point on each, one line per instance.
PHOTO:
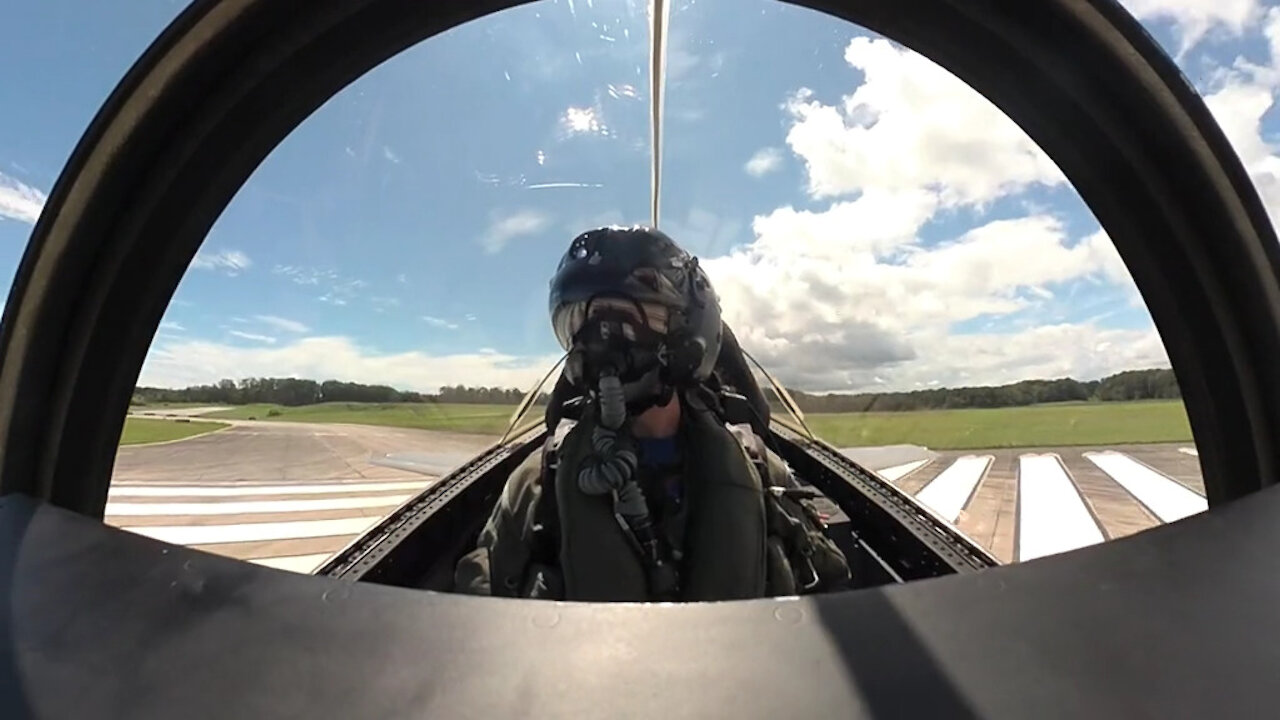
(252, 506)
(229, 490)
(255, 532)
(897, 472)
(1166, 498)
(948, 493)
(1189, 451)
(1052, 517)
(294, 563)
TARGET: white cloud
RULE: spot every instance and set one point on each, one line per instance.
(800, 284)
(876, 222)
(19, 201)
(175, 327)
(232, 262)
(280, 323)
(912, 126)
(505, 229)
(853, 296)
(440, 322)
(1194, 18)
(183, 363)
(252, 336)
(390, 155)
(1239, 99)
(829, 325)
(1080, 350)
(765, 161)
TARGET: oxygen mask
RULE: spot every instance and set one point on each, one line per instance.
(616, 353)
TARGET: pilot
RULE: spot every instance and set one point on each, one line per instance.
(651, 493)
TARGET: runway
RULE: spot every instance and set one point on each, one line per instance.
(1029, 502)
(282, 494)
(288, 495)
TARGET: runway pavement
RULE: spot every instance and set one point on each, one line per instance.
(1030, 502)
(278, 493)
(290, 494)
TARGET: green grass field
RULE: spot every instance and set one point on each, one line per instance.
(464, 418)
(1112, 423)
(146, 430)
(1096, 423)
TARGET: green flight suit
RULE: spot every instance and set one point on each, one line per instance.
(743, 537)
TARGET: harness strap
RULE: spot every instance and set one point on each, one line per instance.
(546, 516)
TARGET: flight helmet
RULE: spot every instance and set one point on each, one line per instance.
(629, 301)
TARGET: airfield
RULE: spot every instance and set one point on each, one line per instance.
(289, 494)
(282, 494)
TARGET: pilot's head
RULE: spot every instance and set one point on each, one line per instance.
(628, 301)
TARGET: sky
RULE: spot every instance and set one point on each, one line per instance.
(869, 222)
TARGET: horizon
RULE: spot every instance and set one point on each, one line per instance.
(871, 224)
(138, 388)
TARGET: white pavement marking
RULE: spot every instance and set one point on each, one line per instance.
(253, 506)
(1166, 498)
(294, 563)
(897, 472)
(255, 532)
(948, 493)
(1052, 517)
(1189, 451)
(230, 490)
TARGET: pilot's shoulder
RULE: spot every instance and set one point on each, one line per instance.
(523, 485)
(778, 471)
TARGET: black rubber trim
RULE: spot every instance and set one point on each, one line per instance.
(97, 622)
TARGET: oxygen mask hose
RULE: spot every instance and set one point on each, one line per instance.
(613, 464)
(611, 469)
(613, 402)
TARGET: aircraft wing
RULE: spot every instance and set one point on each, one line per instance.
(435, 464)
(888, 456)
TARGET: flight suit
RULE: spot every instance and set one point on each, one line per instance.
(739, 535)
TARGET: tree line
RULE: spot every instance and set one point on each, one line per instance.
(295, 391)
(1152, 384)
(1129, 385)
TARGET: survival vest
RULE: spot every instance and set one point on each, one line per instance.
(753, 535)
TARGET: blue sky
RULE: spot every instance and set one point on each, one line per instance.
(868, 221)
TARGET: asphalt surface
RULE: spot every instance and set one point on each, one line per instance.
(281, 493)
(290, 494)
